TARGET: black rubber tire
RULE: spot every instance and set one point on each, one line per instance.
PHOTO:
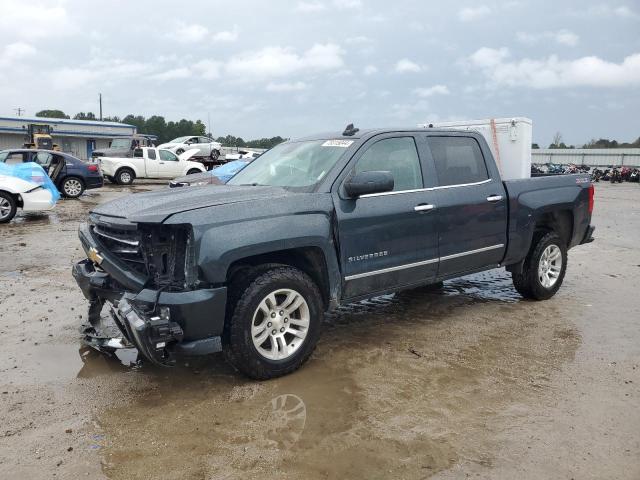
(527, 283)
(110, 179)
(119, 179)
(180, 151)
(63, 189)
(193, 171)
(245, 294)
(13, 207)
(215, 154)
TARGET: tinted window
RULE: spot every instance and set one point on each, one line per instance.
(43, 158)
(137, 153)
(203, 140)
(168, 156)
(15, 157)
(458, 160)
(151, 154)
(396, 155)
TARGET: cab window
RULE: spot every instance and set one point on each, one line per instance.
(151, 154)
(396, 155)
(168, 156)
(458, 160)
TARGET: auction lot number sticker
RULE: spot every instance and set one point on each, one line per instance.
(338, 143)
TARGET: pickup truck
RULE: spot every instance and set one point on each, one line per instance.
(149, 162)
(125, 146)
(250, 267)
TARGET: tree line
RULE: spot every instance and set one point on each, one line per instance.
(167, 130)
(558, 142)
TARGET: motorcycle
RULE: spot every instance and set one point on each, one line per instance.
(615, 176)
(596, 175)
(634, 176)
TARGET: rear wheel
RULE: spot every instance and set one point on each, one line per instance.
(274, 322)
(180, 151)
(125, 176)
(215, 154)
(72, 187)
(8, 207)
(544, 268)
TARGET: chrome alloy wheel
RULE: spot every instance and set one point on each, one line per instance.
(72, 187)
(5, 208)
(550, 266)
(280, 324)
(125, 177)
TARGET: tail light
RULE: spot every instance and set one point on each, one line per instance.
(591, 193)
(92, 167)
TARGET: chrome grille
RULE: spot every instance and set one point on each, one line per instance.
(124, 244)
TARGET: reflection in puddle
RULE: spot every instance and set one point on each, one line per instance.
(286, 418)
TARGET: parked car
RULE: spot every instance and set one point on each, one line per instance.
(242, 154)
(69, 174)
(250, 267)
(148, 162)
(218, 176)
(125, 146)
(205, 146)
(25, 186)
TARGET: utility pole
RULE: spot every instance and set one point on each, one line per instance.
(209, 124)
(19, 111)
(100, 100)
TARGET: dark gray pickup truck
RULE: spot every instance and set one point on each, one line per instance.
(250, 267)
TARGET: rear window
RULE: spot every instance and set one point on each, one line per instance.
(458, 160)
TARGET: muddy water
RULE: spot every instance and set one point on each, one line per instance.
(470, 380)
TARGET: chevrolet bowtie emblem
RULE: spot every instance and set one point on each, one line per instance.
(94, 256)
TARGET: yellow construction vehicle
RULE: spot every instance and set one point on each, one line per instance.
(39, 136)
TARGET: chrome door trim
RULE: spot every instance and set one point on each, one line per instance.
(471, 252)
(391, 269)
(429, 189)
(425, 262)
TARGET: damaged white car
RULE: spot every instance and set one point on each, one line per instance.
(25, 186)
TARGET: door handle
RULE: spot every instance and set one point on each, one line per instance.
(161, 163)
(494, 198)
(424, 207)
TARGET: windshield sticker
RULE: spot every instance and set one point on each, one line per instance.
(338, 143)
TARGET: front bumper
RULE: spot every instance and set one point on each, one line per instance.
(159, 324)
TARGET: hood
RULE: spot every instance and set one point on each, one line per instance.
(155, 207)
(208, 177)
(169, 145)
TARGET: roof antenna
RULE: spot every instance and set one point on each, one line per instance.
(350, 130)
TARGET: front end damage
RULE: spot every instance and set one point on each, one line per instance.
(147, 278)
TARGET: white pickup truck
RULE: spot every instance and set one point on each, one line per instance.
(149, 162)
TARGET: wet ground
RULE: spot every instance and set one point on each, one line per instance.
(471, 381)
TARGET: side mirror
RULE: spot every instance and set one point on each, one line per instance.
(365, 183)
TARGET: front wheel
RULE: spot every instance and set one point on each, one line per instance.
(8, 207)
(544, 268)
(215, 154)
(180, 151)
(274, 323)
(72, 187)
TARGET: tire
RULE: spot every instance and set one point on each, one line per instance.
(8, 207)
(215, 154)
(180, 151)
(72, 187)
(193, 170)
(258, 359)
(529, 283)
(125, 176)
(110, 179)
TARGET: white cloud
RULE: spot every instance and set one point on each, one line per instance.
(33, 20)
(189, 33)
(279, 61)
(552, 72)
(105, 70)
(173, 74)
(469, 14)
(286, 87)
(370, 70)
(15, 52)
(407, 66)
(207, 69)
(358, 40)
(310, 7)
(604, 10)
(562, 37)
(430, 91)
(226, 36)
(347, 4)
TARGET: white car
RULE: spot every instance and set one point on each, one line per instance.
(19, 193)
(205, 146)
(242, 154)
(149, 162)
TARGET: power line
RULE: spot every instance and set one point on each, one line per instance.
(19, 111)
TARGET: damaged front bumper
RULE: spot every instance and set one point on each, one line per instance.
(159, 324)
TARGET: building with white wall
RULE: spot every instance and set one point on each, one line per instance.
(600, 157)
(77, 137)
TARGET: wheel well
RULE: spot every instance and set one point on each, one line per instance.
(194, 170)
(15, 196)
(310, 260)
(125, 168)
(560, 221)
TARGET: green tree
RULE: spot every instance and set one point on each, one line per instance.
(51, 114)
(84, 116)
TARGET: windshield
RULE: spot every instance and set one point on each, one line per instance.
(180, 140)
(121, 143)
(293, 164)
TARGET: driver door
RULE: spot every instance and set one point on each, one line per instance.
(169, 166)
(388, 239)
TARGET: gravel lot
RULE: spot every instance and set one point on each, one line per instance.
(468, 381)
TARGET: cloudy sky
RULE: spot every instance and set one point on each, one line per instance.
(296, 67)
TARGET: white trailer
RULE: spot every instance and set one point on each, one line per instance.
(508, 138)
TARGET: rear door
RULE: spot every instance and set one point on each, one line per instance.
(387, 239)
(472, 205)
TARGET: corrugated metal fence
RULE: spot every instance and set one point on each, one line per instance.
(600, 157)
